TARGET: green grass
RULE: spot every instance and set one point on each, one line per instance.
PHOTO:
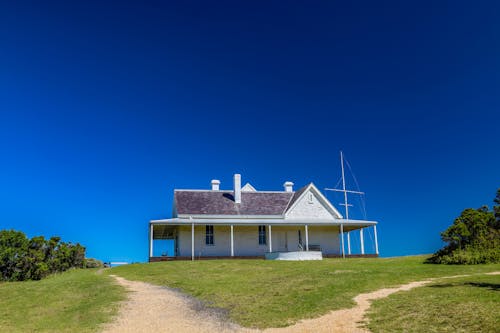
(73, 301)
(468, 304)
(259, 293)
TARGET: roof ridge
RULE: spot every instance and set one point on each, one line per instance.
(229, 191)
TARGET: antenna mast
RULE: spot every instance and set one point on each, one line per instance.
(346, 204)
(343, 186)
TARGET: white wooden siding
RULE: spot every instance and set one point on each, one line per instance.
(246, 240)
(310, 209)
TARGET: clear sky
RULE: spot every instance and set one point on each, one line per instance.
(106, 107)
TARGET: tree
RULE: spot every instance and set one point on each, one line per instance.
(13, 246)
(474, 237)
(472, 226)
(50, 252)
(33, 259)
(34, 266)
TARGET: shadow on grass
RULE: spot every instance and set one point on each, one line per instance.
(490, 286)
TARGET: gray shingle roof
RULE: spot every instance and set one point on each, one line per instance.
(222, 202)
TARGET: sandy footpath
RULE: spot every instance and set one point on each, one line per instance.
(152, 308)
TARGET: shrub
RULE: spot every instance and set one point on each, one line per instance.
(22, 258)
(470, 256)
(473, 238)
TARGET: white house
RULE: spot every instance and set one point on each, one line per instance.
(244, 222)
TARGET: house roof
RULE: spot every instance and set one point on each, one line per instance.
(262, 203)
(189, 202)
(296, 195)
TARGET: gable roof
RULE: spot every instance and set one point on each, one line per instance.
(192, 202)
(248, 188)
(311, 187)
(209, 202)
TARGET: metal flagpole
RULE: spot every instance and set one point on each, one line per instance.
(343, 186)
(346, 204)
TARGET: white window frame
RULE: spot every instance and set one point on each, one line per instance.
(262, 235)
(209, 235)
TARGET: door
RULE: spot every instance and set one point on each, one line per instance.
(292, 240)
(282, 241)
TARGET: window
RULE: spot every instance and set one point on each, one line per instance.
(310, 198)
(209, 235)
(262, 235)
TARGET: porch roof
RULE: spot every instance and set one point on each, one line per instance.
(348, 224)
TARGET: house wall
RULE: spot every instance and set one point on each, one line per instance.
(246, 240)
(326, 237)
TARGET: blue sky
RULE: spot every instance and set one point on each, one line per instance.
(106, 107)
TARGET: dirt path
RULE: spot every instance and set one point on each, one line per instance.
(151, 308)
(348, 320)
(158, 309)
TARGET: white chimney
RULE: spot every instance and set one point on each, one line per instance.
(288, 186)
(215, 184)
(237, 188)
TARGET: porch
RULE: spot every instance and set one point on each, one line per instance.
(190, 239)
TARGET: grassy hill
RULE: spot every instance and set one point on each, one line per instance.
(466, 304)
(73, 301)
(261, 294)
(258, 293)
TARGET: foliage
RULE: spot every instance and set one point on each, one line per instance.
(76, 301)
(266, 293)
(22, 258)
(466, 304)
(470, 255)
(473, 238)
(93, 263)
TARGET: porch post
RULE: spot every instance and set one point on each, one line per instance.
(307, 238)
(150, 240)
(362, 241)
(270, 239)
(232, 241)
(342, 239)
(192, 241)
(376, 240)
(348, 242)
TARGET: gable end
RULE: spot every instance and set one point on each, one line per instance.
(312, 204)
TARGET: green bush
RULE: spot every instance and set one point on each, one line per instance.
(473, 238)
(22, 258)
(470, 256)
